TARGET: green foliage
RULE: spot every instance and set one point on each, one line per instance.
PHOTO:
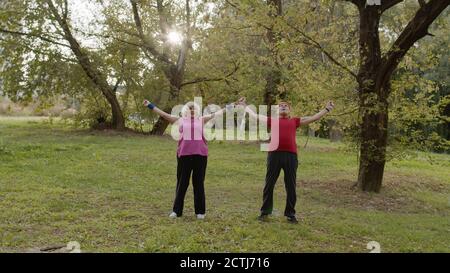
(230, 58)
(420, 94)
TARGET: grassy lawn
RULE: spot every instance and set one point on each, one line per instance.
(113, 192)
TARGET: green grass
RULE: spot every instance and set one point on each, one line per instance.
(112, 192)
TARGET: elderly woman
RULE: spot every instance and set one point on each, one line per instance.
(192, 155)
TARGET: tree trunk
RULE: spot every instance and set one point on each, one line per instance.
(372, 105)
(373, 139)
(271, 93)
(175, 76)
(174, 72)
(374, 81)
(118, 120)
(273, 76)
(161, 124)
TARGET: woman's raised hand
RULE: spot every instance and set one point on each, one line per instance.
(149, 104)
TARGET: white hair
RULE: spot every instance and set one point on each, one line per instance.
(185, 110)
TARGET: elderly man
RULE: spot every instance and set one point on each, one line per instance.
(282, 155)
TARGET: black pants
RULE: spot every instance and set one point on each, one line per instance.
(275, 162)
(195, 164)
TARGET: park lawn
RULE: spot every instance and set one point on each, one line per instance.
(112, 192)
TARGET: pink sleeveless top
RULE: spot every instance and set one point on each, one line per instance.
(192, 141)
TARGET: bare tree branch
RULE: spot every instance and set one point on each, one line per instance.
(19, 33)
(163, 18)
(317, 45)
(148, 45)
(66, 10)
(181, 63)
(204, 79)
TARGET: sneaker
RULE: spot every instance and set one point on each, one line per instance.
(200, 216)
(292, 219)
(173, 215)
(263, 217)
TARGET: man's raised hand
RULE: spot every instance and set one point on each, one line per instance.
(242, 101)
(330, 106)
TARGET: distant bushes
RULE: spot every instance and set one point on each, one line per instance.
(10, 108)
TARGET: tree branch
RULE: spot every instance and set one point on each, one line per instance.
(387, 4)
(32, 35)
(236, 7)
(181, 62)
(83, 59)
(66, 10)
(358, 3)
(147, 44)
(163, 20)
(416, 29)
(122, 68)
(314, 43)
(204, 79)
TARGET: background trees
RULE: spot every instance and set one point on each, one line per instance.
(374, 61)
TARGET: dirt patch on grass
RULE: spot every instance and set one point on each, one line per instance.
(396, 195)
(396, 182)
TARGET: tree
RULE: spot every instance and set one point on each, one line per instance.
(374, 80)
(93, 73)
(49, 31)
(307, 29)
(173, 70)
(154, 40)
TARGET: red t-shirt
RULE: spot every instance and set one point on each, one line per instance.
(283, 140)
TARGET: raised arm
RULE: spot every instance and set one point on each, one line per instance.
(319, 115)
(252, 114)
(166, 116)
(209, 117)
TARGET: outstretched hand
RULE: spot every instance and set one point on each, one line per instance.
(149, 104)
(230, 106)
(242, 101)
(330, 106)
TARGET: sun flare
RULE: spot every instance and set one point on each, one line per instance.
(175, 37)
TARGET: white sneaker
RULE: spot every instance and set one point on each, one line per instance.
(200, 216)
(173, 215)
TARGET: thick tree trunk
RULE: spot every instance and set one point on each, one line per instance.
(118, 120)
(373, 106)
(374, 81)
(373, 139)
(271, 92)
(273, 76)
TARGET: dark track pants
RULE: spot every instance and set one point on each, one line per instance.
(195, 164)
(277, 161)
